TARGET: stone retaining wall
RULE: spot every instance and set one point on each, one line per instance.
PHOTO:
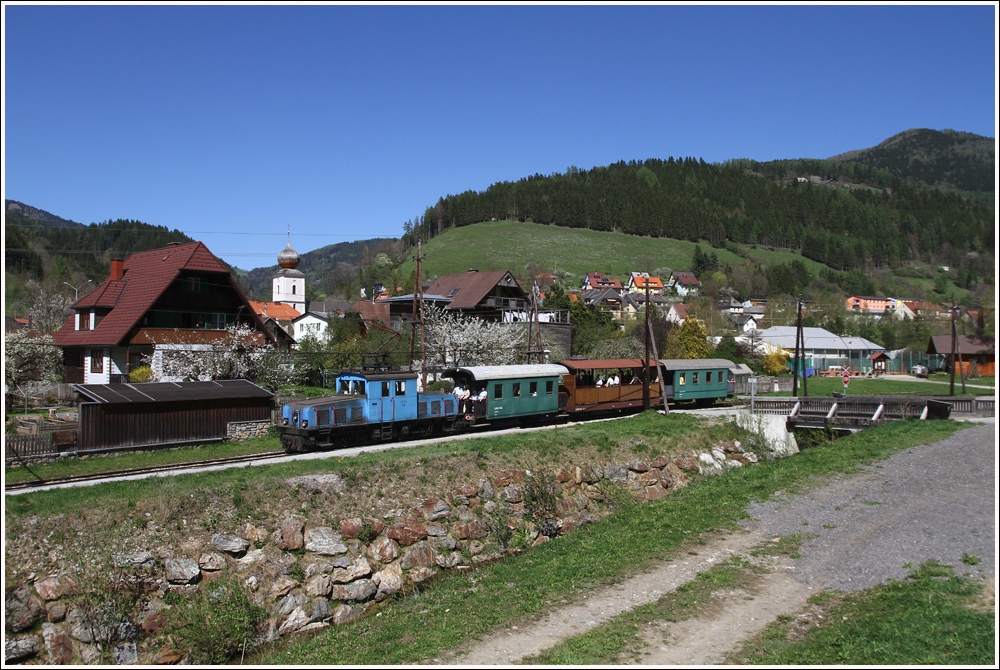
(238, 431)
(309, 577)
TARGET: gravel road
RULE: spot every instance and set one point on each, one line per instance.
(934, 501)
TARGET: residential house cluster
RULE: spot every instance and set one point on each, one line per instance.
(183, 296)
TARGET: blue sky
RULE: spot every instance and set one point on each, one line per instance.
(232, 123)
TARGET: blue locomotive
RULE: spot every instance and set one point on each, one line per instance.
(368, 408)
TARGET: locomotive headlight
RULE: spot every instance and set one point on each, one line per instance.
(284, 422)
(305, 423)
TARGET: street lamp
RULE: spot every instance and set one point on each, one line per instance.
(77, 288)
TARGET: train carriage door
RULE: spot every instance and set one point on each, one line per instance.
(381, 401)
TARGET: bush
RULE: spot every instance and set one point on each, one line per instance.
(221, 622)
(141, 375)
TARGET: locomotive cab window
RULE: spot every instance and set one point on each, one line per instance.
(385, 389)
(401, 387)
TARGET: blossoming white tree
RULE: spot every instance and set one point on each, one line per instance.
(32, 363)
(453, 338)
(239, 355)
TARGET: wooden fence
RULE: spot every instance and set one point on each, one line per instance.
(29, 447)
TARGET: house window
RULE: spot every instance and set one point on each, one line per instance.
(97, 361)
(84, 318)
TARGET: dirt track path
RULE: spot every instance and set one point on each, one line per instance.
(931, 502)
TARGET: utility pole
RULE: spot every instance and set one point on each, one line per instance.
(954, 337)
(645, 362)
(795, 366)
(418, 315)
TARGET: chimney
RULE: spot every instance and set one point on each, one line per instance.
(117, 268)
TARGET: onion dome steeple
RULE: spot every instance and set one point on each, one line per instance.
(288, 258)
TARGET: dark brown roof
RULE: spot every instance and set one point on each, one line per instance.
(468, 289)
(371, 311)
(171, 391)
(968, 345)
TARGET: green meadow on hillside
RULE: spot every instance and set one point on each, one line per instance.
(510, 245)
(573, 252)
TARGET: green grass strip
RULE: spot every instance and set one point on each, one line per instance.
(925, 619)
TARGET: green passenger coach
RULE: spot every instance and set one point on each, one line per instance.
(700, 380)
(512, 391)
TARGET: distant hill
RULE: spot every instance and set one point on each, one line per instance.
(40, 215)
(945, 159)
(42, 250)
(325, 267)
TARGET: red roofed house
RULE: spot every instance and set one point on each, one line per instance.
(685, 283)
(177, 296)
(597, 280)
(678, 312)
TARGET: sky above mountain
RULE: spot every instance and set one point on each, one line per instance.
(239, 123)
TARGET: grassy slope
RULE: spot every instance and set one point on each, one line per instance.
(510, 245)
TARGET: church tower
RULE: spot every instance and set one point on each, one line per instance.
(289, 284)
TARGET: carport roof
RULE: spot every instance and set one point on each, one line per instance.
(171, 391)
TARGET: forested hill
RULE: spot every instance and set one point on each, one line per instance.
(946, 159)
(843, 214)
(43, 248)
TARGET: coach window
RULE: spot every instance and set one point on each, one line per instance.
(548, 388)
(695, 378)
(708, 377)
(533, 389)
(516, 390)
(498, 391)
(681, 379)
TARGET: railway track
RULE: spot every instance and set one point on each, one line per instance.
(111, 474)
(25, 486)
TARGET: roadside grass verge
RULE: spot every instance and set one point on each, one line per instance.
(620, 640)
(457, 608)
(926, 619)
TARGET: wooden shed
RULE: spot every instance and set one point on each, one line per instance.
(117, 416)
